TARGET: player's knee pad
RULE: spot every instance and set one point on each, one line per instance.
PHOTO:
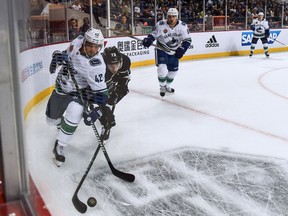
(171, 74)
(53, 122)
(74, 112)
(162, 70)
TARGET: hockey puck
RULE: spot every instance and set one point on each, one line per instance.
(91, 202)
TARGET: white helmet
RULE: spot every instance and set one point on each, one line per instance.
(94, 36)
(172, 12)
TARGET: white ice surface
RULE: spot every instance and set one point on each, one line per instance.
(235, 104)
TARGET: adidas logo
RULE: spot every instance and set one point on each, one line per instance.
(212, 42)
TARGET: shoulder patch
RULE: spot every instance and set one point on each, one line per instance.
(183, 23)
(161, 23)
(71, 48)
(95, 62)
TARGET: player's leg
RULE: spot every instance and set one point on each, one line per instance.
(173, 64)
(265, 46)
(253, 45)
(55, 108)
(161, 63)
(68, 126)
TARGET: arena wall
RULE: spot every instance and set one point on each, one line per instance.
(37, 82)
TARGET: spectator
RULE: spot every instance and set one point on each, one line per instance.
(123, 28)
(98, 12)
(77, 6)
(73, 29)
(85, 26)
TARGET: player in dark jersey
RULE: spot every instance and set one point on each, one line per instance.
(117, 78)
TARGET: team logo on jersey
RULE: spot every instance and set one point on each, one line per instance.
(95, 62)
(165, 31)
(247, 37)
(212, 42)
(71, 48)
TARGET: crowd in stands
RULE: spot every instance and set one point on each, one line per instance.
(191, 11)
(145, 13)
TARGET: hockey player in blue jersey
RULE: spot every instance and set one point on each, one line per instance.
(171, 35)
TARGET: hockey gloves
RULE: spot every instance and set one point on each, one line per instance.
(58, 58)
(113, 99)
(180, 51)
(108, 118)
(147, 42)
(117, 95)
(91, 116)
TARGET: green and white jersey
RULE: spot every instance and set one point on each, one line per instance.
(171, 38)
(260, 27)
(90, 71)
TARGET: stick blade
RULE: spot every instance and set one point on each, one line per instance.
(122, 175)
(80, 206)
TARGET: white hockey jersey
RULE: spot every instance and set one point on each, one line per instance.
(90, 71)
(260, 27)
(171, 38)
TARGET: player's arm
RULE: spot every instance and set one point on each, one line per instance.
(62, 57)
(147, 42)
(186, 42)
(121, 89)
(58, 58)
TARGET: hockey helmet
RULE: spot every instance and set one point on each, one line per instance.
(112, 55)
(260, 14)
(172, 12)
(94, 36)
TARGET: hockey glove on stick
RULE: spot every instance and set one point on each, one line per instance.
(147, 42)
(91, 116)
(108, 118)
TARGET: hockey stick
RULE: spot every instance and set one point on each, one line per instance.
(78, 204)
(280, 42)
(125, 176)
(171, 52)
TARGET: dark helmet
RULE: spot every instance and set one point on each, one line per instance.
(112, 55)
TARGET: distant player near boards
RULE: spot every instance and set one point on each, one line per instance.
(171, 35)
(260, 28)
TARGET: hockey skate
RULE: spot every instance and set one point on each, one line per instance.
(169, 89)
(58, 152)
(162, 91)
(267, 54)
(251, 53)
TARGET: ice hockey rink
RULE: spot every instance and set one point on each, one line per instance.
(218, 146)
